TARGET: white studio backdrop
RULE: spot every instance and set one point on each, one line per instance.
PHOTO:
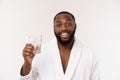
(98, 28)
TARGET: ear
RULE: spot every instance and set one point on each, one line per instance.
(54, 27)
(75, 25)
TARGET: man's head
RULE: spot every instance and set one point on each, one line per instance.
(64, 27)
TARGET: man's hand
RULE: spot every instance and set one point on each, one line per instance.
(28, 55)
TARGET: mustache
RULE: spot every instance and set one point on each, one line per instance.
(65, 31)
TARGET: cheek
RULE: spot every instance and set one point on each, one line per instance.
(56, 30)
(71, 29)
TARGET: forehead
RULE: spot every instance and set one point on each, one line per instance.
(63, 16)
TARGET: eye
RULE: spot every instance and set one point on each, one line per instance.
(69, 24)
(58, 25)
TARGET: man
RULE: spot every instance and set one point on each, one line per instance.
(63, 58)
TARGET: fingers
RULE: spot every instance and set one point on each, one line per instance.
(28, 50)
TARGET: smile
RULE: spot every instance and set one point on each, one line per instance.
(64, 35)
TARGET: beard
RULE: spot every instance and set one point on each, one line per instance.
(66, 42)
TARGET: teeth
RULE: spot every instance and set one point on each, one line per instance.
(64, 34)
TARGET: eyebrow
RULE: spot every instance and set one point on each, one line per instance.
(58, 21)
(66, 19)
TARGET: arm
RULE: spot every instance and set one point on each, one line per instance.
(26, 70)
(95, 74)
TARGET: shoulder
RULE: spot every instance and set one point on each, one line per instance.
(87, 52)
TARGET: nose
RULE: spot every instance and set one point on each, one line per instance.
(64, 27)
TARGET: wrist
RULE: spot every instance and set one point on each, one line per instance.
(26, 64)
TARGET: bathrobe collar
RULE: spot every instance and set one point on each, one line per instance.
(72, 63)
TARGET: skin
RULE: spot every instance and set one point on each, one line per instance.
(28, 55)
(64, 26)
(64, 23)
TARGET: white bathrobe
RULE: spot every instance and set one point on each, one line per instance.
(82, 65)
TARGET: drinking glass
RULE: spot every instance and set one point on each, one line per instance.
(35, 40)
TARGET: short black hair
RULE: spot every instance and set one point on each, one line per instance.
(65, 12)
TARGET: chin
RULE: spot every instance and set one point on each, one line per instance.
(65, 39)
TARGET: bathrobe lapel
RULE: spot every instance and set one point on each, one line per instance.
(73, 60)
(72, 64)
(57, 65)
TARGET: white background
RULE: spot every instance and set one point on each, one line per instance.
(98, 27)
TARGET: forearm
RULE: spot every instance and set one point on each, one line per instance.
(25, 69)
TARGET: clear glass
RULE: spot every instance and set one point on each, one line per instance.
(35, 40)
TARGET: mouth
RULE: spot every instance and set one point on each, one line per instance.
(64, 35)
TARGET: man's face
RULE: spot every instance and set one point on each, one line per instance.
(64, 28)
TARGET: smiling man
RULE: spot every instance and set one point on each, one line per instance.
(64, 28)
(63, 58)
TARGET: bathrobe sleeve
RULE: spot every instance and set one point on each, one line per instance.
(95, 73)
(33, 75)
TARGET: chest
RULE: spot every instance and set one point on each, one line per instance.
(53, 69)
(64, 55)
